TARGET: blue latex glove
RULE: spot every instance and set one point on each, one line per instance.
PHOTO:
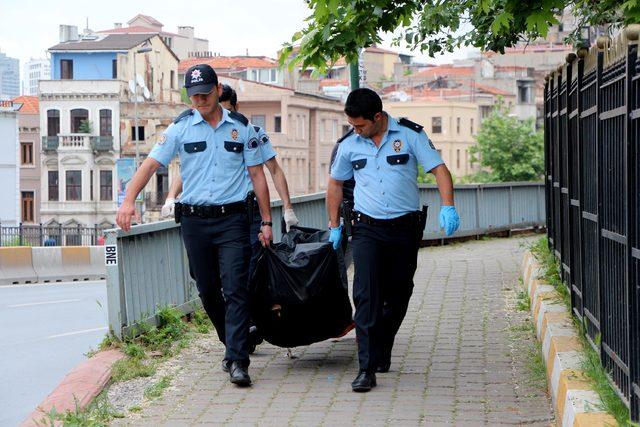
(449, 219)
(336, 236)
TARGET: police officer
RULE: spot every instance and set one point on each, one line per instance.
(383, 155)
(229, 100)
(215, 147)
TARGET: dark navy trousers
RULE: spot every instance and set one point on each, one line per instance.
(219, 252)
(385, 260)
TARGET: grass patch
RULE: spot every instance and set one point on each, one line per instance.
(156, 389)
(98, 413)
(591, 363)
(154, 344)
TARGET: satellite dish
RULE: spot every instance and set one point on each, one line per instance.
(146, 93)
(132, 86)
(140, 80)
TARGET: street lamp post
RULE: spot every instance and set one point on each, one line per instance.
(135, 115)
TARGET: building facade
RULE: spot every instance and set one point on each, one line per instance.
(9, 77)
(34, 71)
(9, 169)
(87, 116)
(451, 126)
(29, 158)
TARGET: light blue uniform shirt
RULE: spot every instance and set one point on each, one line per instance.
(266, 149)
(213, 162)
(386, 176)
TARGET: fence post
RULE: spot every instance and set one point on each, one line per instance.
(94, 240)
(41, 235)
(61, 243)
(79, 234)
(20, 241)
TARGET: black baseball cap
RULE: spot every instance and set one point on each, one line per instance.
(200, 79)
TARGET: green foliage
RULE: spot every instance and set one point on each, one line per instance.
(510, 149)
(97, 414)
(425, 177)
(85, 127)
(339, 28)
(156, 389)
(184, 97)
(132, 367)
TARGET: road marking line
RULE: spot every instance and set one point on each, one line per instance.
(85, 331)
(43, 303)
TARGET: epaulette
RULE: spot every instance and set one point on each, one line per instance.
(411, 125)
(185, 113)
(256, 128)
(239, 117)
(345, 136)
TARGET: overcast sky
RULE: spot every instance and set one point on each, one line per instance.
(29, 27)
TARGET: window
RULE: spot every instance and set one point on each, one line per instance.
(66, 69)
(485, 110)
(458, 159)
(114, 69)
(471, 126)
(523, 94)
(74, 185)
(436, 124)
(53, 186)
(259, 120)
(106, 185)
(78, 115)
(27, 206)
(53, 122)
(277, 124)
(334, 130)
(173, 78)
(140, 134)
(458, 125)
(105, 122)
(26, 153)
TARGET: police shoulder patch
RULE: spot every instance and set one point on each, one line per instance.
(411, 125)
(253, 143)
(256, 128)
(185, 113)
(345, 136)
(239, 117)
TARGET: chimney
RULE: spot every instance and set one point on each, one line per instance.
(186, 31)
(117, 25)
(68, 33)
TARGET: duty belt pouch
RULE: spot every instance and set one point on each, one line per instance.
(250, 206)
(177, 212)
(423, 219)
(347, 216)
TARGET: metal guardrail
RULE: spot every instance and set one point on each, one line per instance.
(50, 235)
(152, 268)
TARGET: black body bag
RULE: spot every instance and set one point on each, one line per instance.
(299, 290)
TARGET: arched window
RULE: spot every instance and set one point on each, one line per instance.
(53, 122)
(105, 123)
(78, 115)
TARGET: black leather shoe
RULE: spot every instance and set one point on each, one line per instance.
(225, 365)
(364, 382)
(383, 367)
(238, 375)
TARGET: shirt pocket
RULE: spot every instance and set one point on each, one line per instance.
(195, 147)
(358, 164)
(234, 147)
(398, 159)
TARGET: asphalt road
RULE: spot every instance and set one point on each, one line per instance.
(45, 331)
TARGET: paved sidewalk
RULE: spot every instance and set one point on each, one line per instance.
(455, 361)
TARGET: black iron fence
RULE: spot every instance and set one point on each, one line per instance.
(55, 235)
(592, 132)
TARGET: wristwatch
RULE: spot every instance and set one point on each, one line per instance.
(269, 223)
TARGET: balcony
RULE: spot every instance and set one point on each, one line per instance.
(102, 143)
(50, 143)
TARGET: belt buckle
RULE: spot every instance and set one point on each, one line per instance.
(191, 209)
(222, 209)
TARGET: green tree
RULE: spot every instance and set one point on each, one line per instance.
(85, 127)
(338, 28)
(509, 149)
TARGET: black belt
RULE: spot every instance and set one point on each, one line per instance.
(409, 220)
(211, 211)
